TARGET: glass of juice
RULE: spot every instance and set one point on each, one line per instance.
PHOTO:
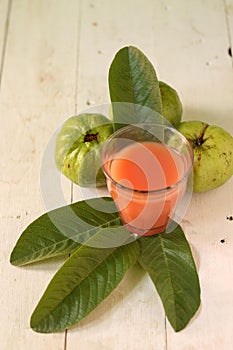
(148, 168)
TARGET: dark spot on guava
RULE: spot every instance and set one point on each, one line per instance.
(199, 157)
(208, 147)
(230, 52)
(223, 240)
(91, 137)
(230, 218)
(68, 166)
(214, 180)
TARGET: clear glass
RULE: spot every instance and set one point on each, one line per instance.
(149, 206)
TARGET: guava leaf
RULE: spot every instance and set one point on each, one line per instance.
(134, 88)
(169, 262)
(61, 231)
(85, 279)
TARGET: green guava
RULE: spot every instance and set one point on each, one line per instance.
(171, 104)
(213, 154)
(78, 146)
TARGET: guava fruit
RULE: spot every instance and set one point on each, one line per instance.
(213, 154)
(78, 145)
(171, 104)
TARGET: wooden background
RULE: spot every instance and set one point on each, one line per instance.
(54, 61)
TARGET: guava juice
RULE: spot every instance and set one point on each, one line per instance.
(145, 185)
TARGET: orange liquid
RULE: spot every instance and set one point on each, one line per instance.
(146, 167)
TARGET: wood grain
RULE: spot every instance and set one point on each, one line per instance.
(37, 94)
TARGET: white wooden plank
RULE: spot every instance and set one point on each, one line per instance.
(188, 46)
(106, 27)
(201, 70)
(133, 312)
(191, 54)
(37, 94)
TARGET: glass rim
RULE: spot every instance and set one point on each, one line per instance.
(186, 175)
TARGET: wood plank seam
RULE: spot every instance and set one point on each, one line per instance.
(228, 28)
(7, 23)
(166, 333)
(75, 112)
(77, 62)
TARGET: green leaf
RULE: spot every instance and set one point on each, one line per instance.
(86, 278)
(134, 88)
(168, 260)
(61, 231)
